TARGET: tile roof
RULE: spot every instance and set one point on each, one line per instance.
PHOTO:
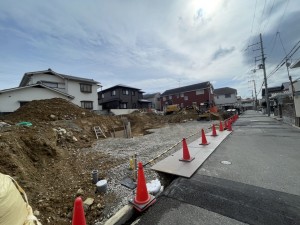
(225, 90)
(27, 75)
(146, 96)
(188, 88)
(120, 85)
(272, 90)
(36, 85)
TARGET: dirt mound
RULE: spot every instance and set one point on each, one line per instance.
(51, 160)
(141, 122)
(48, 110)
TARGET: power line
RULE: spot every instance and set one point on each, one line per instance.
(274, 42)
(282, 44)
(287, 57)
(268, 16)
(262, 15)
(253, 18)
(282, 17)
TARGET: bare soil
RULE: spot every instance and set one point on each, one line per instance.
(52, 159)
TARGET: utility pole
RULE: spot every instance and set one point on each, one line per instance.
(255, 105)
(265, 76)
(255, 95)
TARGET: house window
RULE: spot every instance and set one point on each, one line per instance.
(227, 95)
(134, 105)
(87, 104)
(125, 92)
(199, 92)
(133, 93)
(177, 95)
(123, 106)
(86, 88)
(102, 96)
(164, 98)
(186, 98)
(50, 84)
(158, 99)
(181, 95)
(181, 105)
(113, 93)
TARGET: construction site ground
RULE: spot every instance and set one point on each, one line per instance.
(53, 159)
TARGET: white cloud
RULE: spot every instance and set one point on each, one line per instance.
(150, 44)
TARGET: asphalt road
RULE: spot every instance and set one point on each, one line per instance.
(260, 185)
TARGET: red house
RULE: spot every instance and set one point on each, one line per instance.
(195, 94)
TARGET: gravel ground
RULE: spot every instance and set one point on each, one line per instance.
(146, 147)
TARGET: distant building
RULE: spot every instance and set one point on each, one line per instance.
(272, 91)
(196, 94)
(247, 104)
(154, 99)
(48, 84)
(122, 97)
(225, 97)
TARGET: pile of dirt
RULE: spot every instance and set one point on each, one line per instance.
(48, 110)
(51, 160)
(141, 122)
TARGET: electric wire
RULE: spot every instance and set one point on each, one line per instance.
(287, 57)
(268, 18)
(262, 16)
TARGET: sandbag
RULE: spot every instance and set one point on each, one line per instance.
(14, 209)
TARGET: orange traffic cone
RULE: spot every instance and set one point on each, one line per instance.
(214, 132)
(142, 196)
(78, 213)
(225, 125)
(142, 199)
(229, 126)
(204, 141)
(186, 154)
(221, 126)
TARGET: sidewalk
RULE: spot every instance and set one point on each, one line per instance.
(261, 185)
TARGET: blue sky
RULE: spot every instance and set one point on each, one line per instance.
(152, 45)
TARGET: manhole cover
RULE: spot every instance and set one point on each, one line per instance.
(226, 162)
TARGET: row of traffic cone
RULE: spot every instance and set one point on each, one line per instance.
(227, 123)
(143, 199)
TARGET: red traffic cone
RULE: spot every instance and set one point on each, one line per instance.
(78, 212)
(229, 126)
(142, 199)
(214, 132)
(221, 126)
(204, 141)
(142, 196)
(186, 154)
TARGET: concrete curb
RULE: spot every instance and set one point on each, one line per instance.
(122, 216)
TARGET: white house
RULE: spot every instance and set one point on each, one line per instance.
(225, 97)
(48, 84)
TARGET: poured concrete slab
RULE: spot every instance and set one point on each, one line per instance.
(173, 165)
